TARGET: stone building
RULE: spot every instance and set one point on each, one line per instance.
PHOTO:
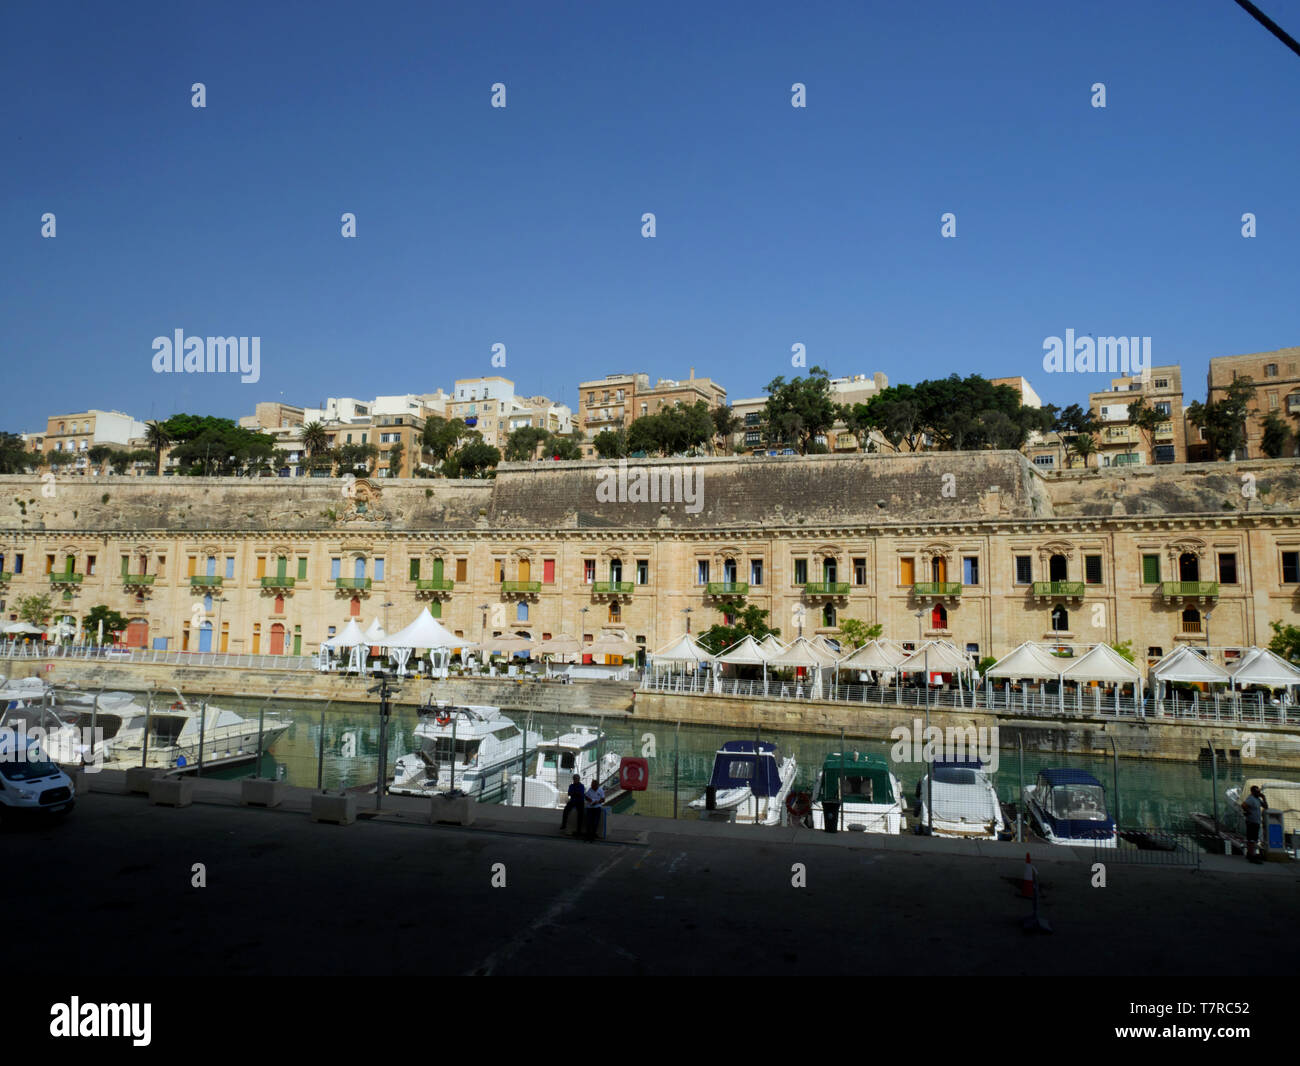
(977, 547)
(1276, 377)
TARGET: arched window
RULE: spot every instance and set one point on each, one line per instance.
(1189, 567)
(354, 608)
(1060, 619)
(1056, 568)
(1191, 620)
(828, 616)
(939, 617)
(615, 611)
(279, 604)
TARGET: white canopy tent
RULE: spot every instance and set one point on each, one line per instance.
(22, 629)
(1184, 664)
(375, 634)
(681, 652)
(939, 656)
(1026, 661)
(772, 645)
(425, 632)
(1259, 666)
(747, 652)
(802, 652)
(874, 655)
(353, 641)
(611, 644)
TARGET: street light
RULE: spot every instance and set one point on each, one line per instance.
(386, 606)
(482, 636)
(687, 611)
(1208, 649)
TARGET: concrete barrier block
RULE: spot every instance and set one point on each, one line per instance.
(139, 778)
(171, 791)
(80, 782)
(261, 792)
(335, 809)
(452, 810)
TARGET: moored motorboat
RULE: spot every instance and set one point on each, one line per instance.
(750, 789)
(1068, 806)
(965, 802)
(574, 752)
(473, 748)
(857, 791)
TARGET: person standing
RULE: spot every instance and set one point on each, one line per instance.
(595, 801)
(1254, 806)
(576, 796)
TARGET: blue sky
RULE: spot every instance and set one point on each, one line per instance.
(522, 225)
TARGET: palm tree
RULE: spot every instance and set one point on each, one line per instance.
(1084, 446)
(314, 438)
(158, 439)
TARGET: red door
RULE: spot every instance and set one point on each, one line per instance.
(137, 633)
(277, 639)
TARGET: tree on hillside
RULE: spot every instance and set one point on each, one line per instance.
(476, 460)
(1146, 420)
(1223, 422)
(800, 410)
(560, 446)
(158, 439)
(610, 444)
(1075, 427)
(521, 445)
(441, 437)
(315, 439)
(14, 456)
(1276, 435)
(725, 427)
(395, 455)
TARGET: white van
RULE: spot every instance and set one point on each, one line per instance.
(29, 782)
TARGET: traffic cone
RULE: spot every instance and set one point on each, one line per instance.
(1027, 882)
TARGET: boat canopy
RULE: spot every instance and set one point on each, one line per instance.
(1067, 775)
(866, 777)
(733, 767)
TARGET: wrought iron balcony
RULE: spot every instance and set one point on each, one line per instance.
(66, 578)
(278, 582)
(936, 589)
(612, 588)
(520, 588)
(826, 588)
(138, 580)
(434, 584)
(1179, 590)
(1058, 590)
(206, 581)
(362, 583)
(727, 588)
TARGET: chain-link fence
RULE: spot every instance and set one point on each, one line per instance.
(975, 783)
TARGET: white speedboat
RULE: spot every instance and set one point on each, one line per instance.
(752, 789)
(473, 748)
(1068, 806)
(965, 802)
(869, 796)
(558, 760)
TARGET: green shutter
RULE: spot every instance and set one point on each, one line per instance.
(437, 570)
(1150, 569)
(415, 570)
(126, 563)
(281, 564)
(435, 608)
(302, 568)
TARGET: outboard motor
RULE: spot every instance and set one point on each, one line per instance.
(710, 797)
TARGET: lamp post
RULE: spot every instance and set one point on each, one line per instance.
(482, 635)
(929, 777)
(386, 605)
(1208, 649)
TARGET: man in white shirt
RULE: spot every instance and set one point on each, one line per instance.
(595, 801)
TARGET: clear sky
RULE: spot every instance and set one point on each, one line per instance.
(522, 226)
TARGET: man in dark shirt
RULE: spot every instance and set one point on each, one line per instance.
(576, 796)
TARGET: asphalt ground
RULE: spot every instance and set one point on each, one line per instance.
(110, 892)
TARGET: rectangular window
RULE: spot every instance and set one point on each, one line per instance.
(755, 571)
(18, 564)
(1092, 569)
(548, 571)
(801, 571)
(702, 572)
(970, 570)
(302, 568)
(126, 565)
(1290, 568)
(907, 571)
(261, 567)
(462, 569)
(1024, 570)
(1227, 568)
(414, 575)
(335, 567)
(435, 608)
(379, 569)
(859, 571)
(49, 564)
(90, 564)
(191, 565)
(588, 571)
(1150, 569)
(230, 566)
(643, 571)
(499, 570)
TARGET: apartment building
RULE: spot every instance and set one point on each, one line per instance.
(77, 433)
(1276, 377)
(1121, 444)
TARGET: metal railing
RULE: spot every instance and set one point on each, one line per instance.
(1058, 588)
(139, 579)
(67, 577)
(937, 588)
(509, 588)
(434, 584)
(1028, 701)
(113, 653)
(278, 582)
(206, 581)
(1189, 588)
(826, 588)
(726, 588)
(612, 588)
(352, 582)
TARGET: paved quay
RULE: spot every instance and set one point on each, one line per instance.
(394, 894)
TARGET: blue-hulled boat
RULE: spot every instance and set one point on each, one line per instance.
(1068, 806)
(754, 789)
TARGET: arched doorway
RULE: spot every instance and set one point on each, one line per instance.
(205, 637)
(939, 617)
(277, 639)
(1189, 567)
(939, 569)
(1056, 568)
(1060, 619)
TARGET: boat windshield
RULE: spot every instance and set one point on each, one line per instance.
(955, 775)
(858, 788)
(1079, 802)
(466, 750)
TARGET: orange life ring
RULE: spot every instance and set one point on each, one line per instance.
(443, 721)
(798, 804)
